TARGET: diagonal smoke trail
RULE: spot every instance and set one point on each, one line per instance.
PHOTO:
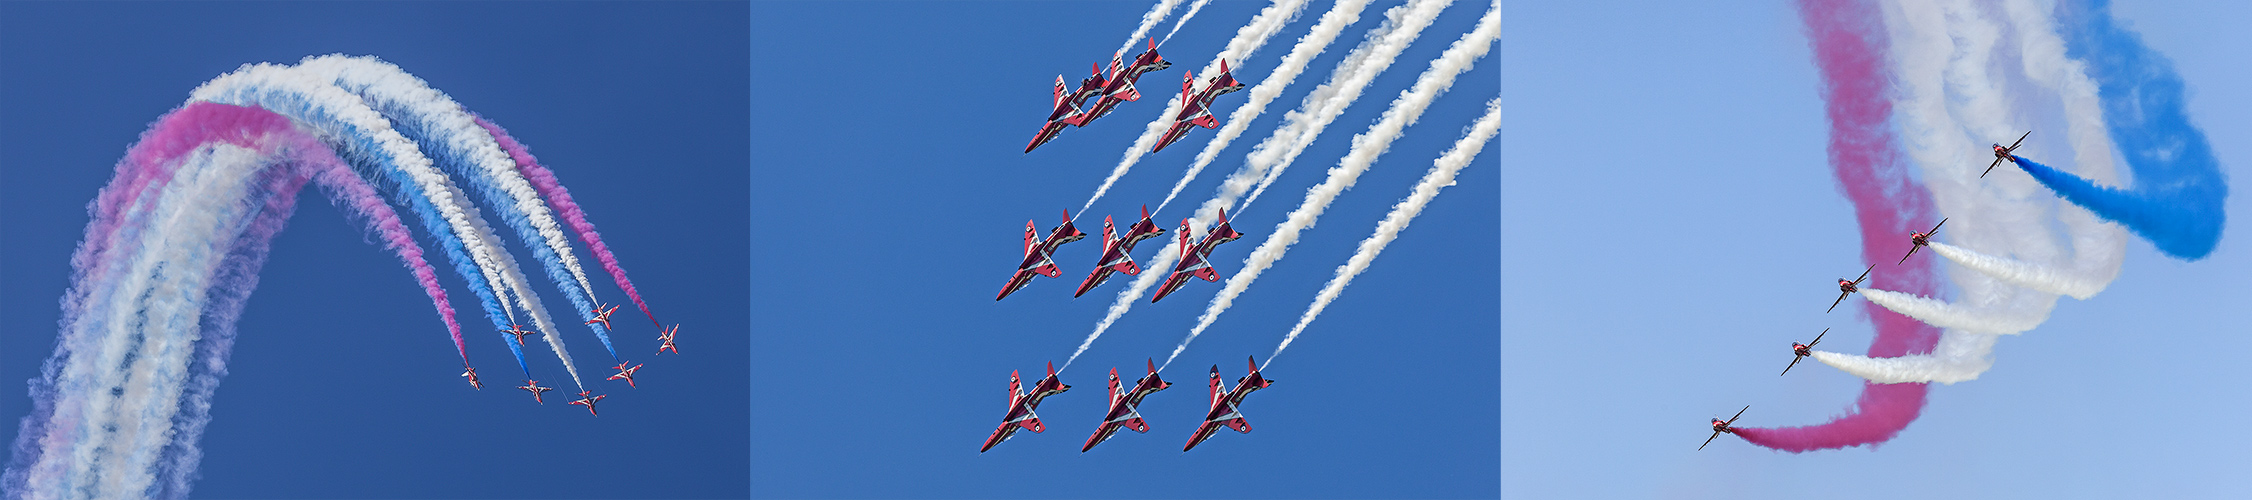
(1441, 175)
(1367, 147)
(1402, 25)
(544, 180)
(2021, 273)
(1150, 19)
(1247, 40)
(1199, 5)
(1324, 32)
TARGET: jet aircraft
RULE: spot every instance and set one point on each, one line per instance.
(1803, 350)
(472, 374)
(1021, 404)
(1196, 108)
(1719, 426)
(1039, 253)
(1224, 410)
(602, 316)
(1122, 406)
(588, 401)
(519, 332)
(2002, 153)
(625, 373)
(1918, 240)
(1117, 251)
(1121, 83)
(665, 337)
(1848, 287)
(1197, 260)
(1067, 107)
(534, 387)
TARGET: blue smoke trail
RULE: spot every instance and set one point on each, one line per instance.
(2176, 202)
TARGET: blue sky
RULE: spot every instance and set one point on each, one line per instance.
(1671, 226)
(341, 382)
(889, 204)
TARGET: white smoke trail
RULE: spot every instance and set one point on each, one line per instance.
(1324, 32)
(1150, 19)
(306, 97)
(1402, 25)
(1247, 41)
(1960, 356)
(1956, 316)
(2047, 279)
(1441, 175)
(1457, 59)
(389, 86)
(1199, 5)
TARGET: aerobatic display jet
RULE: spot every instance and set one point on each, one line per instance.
(1120, 87)
(534, 387)
(1122, 412)
(625, 373)
(1117, 251)
(1022, 403)
(1196, 108)
(665, 339)
(519, 332)
(1848, 287)
(2002, 153)
(1918, 240)
(1224, 411)
(1039, 254)
(1802, 351)
(1196, 260)
(1719, 426)
(602, 316)
(472, 374)
(587, 400)
(1067, 107)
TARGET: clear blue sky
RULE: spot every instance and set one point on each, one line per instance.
(1671, 225)
(889, 202)
(343, 383)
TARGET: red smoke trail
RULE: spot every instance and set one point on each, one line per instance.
(544, 180)
(1849, 47)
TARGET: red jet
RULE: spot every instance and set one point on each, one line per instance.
(1021, 404)
(1122, 405)
(1067, 107)
(519, 332)
(472, 374)
(1920, 239)
(1719, 426)
(1224, 411)
(534, 386)
(1196, 108)
(1121, 85)
(625, 373)
(588, 401)
(1116, 251)
(1802, 351)
(1848, 287)
(666, 338)
(2002, 153)
(1038, 254)
(602, 316)
(1196, 260)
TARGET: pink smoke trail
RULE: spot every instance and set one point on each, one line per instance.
(1847, 37)
(348, 190)
(544, 180)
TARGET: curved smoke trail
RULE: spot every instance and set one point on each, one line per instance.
(544, 180)
(173, 252)
(1848, 50)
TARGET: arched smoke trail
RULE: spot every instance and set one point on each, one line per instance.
(1848, 50)
(172, 253)
(544, 180)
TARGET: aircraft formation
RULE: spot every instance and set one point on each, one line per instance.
(1116, 85)
(1124, 413)
(586, 398)
(1916, 241)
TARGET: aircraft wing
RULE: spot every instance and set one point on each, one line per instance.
(1911, 253)
(1841, 299)
(1787, 369)
(1708, 441)
(1990, 166)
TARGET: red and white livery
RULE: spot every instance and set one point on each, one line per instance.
(665, 340)
(519, 332)
(1122, 412)
(472, 374)
(1121, 83)
(1039, 254)
(1196, 107)
(1196, 260)
(1848, 287)
(1117, 251)
(1224, 405)
(1022, 403)
(587, 399)
(602, 316)
(1720, 426)
(534, 387)
(1067, 107)
(625, 373)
